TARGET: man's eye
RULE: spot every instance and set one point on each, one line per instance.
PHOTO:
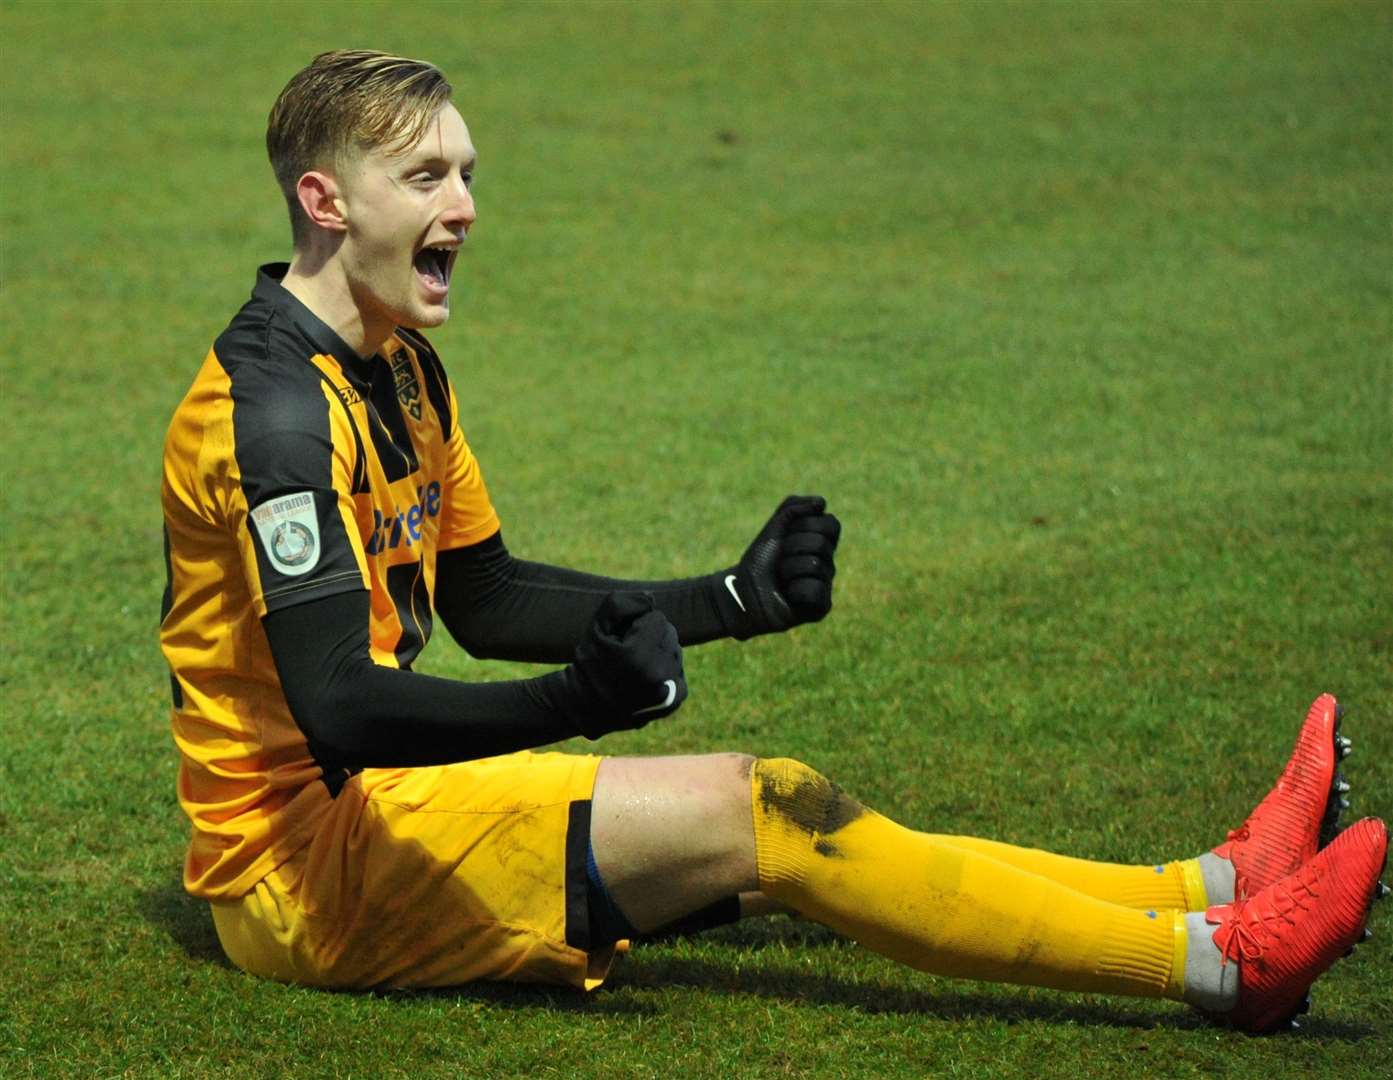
(424, 178)
(468, 178)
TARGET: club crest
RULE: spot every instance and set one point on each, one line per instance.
(408, 388)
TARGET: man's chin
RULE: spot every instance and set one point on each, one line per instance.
(426, 318)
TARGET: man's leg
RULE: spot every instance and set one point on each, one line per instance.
(674, 835)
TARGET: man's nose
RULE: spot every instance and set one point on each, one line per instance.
(460, 211)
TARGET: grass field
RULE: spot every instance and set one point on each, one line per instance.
(1081, 316)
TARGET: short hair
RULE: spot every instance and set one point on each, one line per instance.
(347, 101)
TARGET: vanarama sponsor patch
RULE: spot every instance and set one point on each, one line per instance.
(289, 531)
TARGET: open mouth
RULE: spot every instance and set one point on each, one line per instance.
(433, 264)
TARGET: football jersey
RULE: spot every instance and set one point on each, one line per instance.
(293, 470)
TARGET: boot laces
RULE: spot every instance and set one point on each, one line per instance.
(1254, 929)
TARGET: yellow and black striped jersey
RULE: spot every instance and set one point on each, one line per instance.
(293, 470)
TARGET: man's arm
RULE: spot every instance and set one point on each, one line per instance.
(500, 607)
(626, 670)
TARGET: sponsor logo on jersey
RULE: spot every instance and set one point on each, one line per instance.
(289, 531)
(390, 531)
(408, 389)
(348, 395)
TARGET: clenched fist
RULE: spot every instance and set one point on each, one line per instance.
(628, 667)
(785, 576)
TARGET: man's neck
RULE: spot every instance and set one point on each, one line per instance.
(322, 287)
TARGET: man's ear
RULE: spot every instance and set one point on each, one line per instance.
(319, 198)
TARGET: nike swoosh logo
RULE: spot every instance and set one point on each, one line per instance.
(730, 588)
(671, 685)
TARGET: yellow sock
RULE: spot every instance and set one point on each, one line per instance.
(1175, 885)
(944, 908)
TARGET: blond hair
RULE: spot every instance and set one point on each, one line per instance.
(348, 101)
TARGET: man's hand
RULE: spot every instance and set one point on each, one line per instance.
(785, 576)
(628, 667)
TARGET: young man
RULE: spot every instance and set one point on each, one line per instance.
(358, 824)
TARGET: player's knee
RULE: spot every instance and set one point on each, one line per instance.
(740, 764)
(731, 780)
(791, 793)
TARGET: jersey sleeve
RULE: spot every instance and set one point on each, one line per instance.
(467, 516)
(297, 458)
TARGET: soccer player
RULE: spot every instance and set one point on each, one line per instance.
(359, 824)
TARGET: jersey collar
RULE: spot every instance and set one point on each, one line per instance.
(316, 330)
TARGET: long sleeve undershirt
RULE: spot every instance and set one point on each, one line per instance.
(502, 608)
(358, 714)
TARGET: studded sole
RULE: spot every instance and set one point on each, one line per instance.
(1335, 801)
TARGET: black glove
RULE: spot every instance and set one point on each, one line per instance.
(785, 576)
(627, 670)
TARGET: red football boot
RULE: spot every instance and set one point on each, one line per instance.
(1287, 935)
(1300, 814)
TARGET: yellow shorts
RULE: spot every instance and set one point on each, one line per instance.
(433, 877)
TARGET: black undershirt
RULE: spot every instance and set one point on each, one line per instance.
(501, 608)
(358, 714)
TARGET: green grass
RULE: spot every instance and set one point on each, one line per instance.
(1081, 315)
